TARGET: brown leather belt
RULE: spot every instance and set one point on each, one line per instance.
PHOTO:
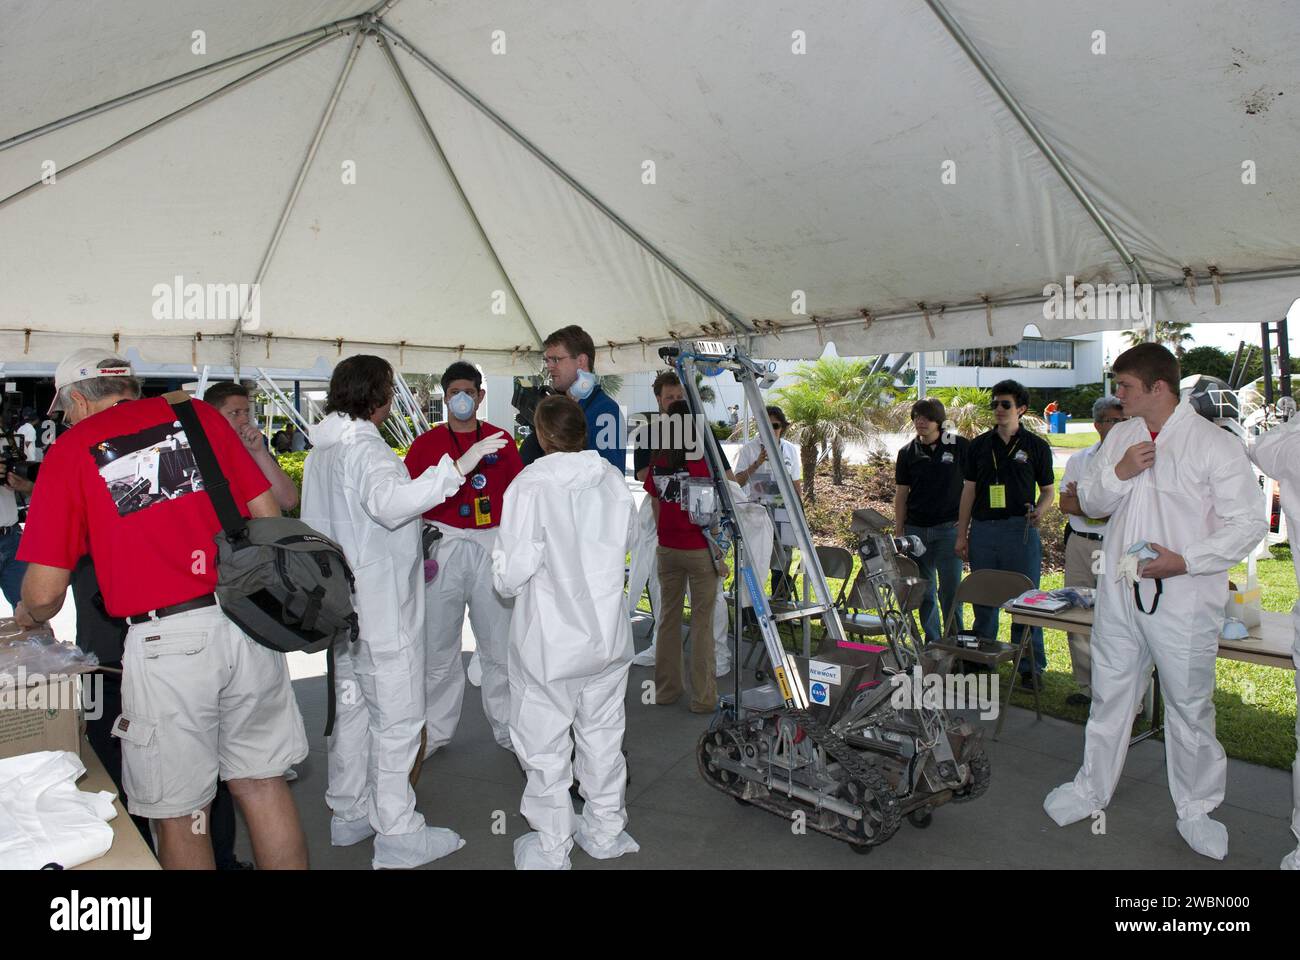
(198, 603)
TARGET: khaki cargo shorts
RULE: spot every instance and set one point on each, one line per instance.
(201, 701)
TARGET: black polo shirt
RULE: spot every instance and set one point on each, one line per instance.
(933, 474)
(1018, 466)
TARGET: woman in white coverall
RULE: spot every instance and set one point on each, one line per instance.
(1191, 495)
(1277, 453)
(566, 526)
(357, 492)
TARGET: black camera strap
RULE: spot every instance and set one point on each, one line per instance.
(1155, 602)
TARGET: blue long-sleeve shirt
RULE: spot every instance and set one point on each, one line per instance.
(604, 431)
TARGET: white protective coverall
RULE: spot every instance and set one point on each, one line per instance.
(357, 492)
(1277, 453)
(756, 527)
(44, 818)
(1201, 500)
(464, 579)
(566, 524)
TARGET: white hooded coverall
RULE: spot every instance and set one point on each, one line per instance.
(1199, 499)
(464, 572)
(357, 492)
(566, 525)
(1277, 453)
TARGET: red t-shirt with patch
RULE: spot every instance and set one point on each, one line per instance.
(458, 509)
(675, 528)
(123, 486)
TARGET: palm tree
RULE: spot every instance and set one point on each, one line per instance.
(805, 408)
(611, 383)
(707, 393)
(967, 410)
(1175, 336)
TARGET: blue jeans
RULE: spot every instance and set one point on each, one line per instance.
(940, 559)
(11, 569)
(1001, 545)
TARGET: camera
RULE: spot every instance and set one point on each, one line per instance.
(12, 456)
(877, 548)
(525, 399)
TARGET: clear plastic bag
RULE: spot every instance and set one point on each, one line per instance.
(38, 652)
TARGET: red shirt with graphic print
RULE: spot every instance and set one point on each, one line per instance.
(497, 470)
(123, 486)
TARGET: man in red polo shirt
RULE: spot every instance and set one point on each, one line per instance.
(200, 699)
(468, 521)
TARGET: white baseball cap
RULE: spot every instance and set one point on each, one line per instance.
(87, 363)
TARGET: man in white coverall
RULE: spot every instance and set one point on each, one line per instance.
(565, 528)
(1173, 480)
(357, 492)
(468, 521)
(1277, 453)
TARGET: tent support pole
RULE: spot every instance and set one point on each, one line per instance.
(175, 114)
(738, 325)
(423, 120)
(302, 178)
(320, 33)
(1037, 137)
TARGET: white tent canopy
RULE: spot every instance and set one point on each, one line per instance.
(501, 149)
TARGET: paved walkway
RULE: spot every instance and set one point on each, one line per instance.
(682, 823)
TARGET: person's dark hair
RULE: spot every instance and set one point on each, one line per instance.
(777, 414)
(460, 370)
(1012, 388)
(929, 408)
(1149, 362)
(563, 423)
(576, 340)
(678, 413)
(359, 386)
(219, 393)
(667, 378)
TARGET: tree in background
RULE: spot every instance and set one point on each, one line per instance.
(856, 403)
(806, 409)
(1175, 336)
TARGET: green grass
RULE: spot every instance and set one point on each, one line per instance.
(1073, 441)
(1255, 704)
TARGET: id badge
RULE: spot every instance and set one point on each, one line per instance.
(482, 511)
(997, 496)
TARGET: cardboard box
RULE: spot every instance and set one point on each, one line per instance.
(39, 715)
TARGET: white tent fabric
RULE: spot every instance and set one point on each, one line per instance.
(778, 175)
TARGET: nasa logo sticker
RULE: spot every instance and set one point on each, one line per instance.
(478, 481)
(819, 693)
(1022, 457)
(946, 458)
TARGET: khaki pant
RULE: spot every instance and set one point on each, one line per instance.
(676, 567)
(1079, 559)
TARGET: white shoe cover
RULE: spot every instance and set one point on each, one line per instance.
(604, 850)
(290, 775)
(1292, 860)
(529, 855)
(344, 833)
(1207, 837)
(1066, 805)
(646, 658)
(724, 662)
(474, 672)
(403, 851)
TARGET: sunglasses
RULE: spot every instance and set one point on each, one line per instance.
(777, 427)
(1001, 404)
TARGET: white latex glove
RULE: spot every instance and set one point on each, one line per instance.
(470, 458)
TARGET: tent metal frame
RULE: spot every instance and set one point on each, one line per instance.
(303, 170)
(372, 23)
(432, 137)
(738, 325)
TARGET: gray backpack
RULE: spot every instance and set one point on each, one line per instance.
(282, 583)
